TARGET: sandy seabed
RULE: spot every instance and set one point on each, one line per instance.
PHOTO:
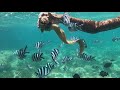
(12, 67)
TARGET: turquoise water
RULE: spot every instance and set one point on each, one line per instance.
(18, 29)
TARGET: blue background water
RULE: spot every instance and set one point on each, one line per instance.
(18, 29)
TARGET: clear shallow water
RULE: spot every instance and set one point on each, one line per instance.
(18, 29)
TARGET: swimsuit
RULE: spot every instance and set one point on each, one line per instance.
(72, 26)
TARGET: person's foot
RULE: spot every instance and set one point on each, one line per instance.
(82, 46)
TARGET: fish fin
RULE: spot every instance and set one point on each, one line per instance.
(56, 62)
(25, 48)
(37, 74)
(42, 57)
(41, 54)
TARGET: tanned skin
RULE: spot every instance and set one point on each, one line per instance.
(89, 26)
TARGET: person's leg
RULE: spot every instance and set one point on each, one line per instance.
(106, 25)
(81, 45)
(93, 27)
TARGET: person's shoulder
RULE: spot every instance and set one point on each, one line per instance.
(55, 26)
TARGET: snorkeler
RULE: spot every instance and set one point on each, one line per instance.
(49, 21)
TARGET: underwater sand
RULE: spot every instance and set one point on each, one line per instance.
(12, 67)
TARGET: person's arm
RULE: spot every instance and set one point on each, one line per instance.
(62, 36)
(55, 16)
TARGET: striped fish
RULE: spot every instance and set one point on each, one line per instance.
(39, 45)
(114, 39)
(86, 57)
(21, 53)
(45, 70)
(37, 56)
(66, 59)
(54, 54)
(50, 66)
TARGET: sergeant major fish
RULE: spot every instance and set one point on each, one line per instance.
(45, 70)
(54, 54)
(40, 44)
(86, 57)
(66, 59)
(37, 56)
(115, 39)
(21, 52)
